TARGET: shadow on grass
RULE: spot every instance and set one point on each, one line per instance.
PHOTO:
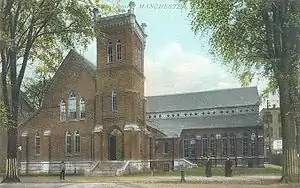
(217, 171)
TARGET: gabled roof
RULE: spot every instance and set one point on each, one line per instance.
(203, 100)
(90, 67)
(174, 126)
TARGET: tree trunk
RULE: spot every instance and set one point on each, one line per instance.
(290, 162)
(11, 175)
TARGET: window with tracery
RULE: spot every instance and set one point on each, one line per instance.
(68, 142)
(72, 105)
(77, 142)
(119, 50)
(82, 108)
(109, 52)
(62, 112)
(37, 144)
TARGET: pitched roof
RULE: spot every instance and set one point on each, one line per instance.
(203, 100)
(90, 67)
(173, 126)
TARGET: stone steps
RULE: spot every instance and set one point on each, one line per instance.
(108, 168)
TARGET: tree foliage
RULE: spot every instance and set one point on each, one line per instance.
(38, 31)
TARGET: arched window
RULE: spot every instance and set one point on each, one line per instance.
(82, 108)
(119, 50)
(37, 144)
(72, 105)
(62, 112)
(77, 142)
(114, 106)
(68, 142)
(109, 52)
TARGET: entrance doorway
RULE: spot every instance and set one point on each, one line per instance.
(116, 145)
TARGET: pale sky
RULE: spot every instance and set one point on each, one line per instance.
(176, 60)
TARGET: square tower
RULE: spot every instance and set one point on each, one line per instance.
(120, 101)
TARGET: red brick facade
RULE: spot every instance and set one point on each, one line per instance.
(124, 76)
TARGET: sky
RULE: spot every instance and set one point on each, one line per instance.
(176, 60)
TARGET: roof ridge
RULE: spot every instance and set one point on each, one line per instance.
(207, 91)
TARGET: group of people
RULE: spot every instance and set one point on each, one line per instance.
(228, 168)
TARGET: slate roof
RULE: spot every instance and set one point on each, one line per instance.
(203, 100)
(173, 126)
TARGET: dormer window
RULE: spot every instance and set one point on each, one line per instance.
(109, 52)
(119, 50)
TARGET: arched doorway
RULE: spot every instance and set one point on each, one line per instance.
(116, 145)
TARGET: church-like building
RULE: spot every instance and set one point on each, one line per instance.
(97, 117)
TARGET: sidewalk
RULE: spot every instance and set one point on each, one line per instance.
(154, 179)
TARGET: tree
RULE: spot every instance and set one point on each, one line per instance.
(3, 118)
(34, 86)
(258, 38)
(30, 31)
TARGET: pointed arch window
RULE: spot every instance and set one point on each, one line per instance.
(37, 144)
(114, 101)
(119, 50)
(72, 105)
(82, 108)
(77, 142)
(62, 112)
(109, 52)
(68, 142)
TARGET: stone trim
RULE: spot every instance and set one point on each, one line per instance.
(24, 134)
(203, 112)
(98, 129)
(47, 133)
(132, 127)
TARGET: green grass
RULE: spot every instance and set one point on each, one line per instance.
(200, 171)
(218, 171)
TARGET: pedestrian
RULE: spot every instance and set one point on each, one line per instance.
(182, 174)
(62, 170)
(228, 168)
(208, 168)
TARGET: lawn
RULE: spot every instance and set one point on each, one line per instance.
(219, 171)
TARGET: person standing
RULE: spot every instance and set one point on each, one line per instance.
(62, 170)
(228, 168)
(208, 166)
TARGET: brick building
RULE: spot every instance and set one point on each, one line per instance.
(94, 115)
(216, 124)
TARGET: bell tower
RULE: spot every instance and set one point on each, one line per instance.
(120, 101)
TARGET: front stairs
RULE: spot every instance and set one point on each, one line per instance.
(107, 168)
